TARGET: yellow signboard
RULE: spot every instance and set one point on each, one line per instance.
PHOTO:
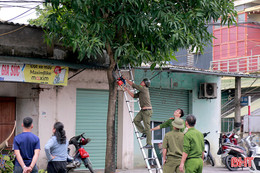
(44, 74)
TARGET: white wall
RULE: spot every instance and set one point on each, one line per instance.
(208, 114)
(59, 104)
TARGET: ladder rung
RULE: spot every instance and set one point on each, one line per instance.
(132, 101)
(154, 168)
(124, 70)
(134, 111)
(154, 158)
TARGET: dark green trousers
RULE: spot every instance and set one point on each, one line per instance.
(194, 165)
(172, 165)
(144, 116)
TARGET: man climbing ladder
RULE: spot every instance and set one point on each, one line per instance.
(146, 111)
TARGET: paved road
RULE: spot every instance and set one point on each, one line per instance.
(206, 169)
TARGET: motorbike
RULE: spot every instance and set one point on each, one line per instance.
(207, 153)
(230, 137)
(228, 149)
(80, 155)
(250, 154)
(254, 152)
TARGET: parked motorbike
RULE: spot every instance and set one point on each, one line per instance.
(254, 152)
(251, 154)
(207, 153)
(80, 155)
(230, 137)
(228, 148)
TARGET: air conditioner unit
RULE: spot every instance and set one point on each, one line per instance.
(208, 91)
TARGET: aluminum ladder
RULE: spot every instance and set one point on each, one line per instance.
(158, 169)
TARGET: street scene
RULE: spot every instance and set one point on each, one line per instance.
(129, 86)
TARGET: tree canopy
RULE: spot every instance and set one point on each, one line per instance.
(136, 30)
(133, 31)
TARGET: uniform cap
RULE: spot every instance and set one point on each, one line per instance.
(178, 123)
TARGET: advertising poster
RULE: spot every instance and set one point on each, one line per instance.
(43, 74)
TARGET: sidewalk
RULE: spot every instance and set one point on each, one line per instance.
(206, 169)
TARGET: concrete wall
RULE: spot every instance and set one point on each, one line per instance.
(59, 104)
(47, 104)
(23, 41)
(207, 111)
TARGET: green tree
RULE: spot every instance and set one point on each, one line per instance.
(133, 31)
(42, 14)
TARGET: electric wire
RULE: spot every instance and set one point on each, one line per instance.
(22, 13)
(12, 31)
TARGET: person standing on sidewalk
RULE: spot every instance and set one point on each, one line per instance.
(173, 147)
(193, 148)
(146, 111)
(178, 113)
(56, 150)
(26, 149)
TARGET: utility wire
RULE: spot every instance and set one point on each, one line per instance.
(22, 1)
(12, 31)
(22, 13)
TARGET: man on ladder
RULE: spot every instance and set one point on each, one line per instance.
(146, 112)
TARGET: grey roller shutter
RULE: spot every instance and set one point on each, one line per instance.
(166, 101)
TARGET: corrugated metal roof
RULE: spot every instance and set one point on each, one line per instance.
(174, 68)
(19, 24)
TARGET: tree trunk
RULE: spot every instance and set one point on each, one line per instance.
(110, 166)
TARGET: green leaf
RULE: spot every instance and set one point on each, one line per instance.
(153, 66)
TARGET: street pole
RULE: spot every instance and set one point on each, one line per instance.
(249, 113)
(237, 103)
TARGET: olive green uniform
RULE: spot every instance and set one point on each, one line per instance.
(168, 123)
(143, 115)
(193, 145)
(173, 143)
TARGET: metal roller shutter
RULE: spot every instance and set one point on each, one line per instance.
(91, 118)
(166, 101)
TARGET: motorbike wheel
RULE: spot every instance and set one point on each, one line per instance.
(211, 159)
(88, 164)
(228, 163)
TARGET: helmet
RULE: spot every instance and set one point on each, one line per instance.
(84, 141)
(147, 82)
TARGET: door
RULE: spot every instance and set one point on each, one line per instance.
(7, 119)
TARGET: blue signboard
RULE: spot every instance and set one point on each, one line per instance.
(244, 101)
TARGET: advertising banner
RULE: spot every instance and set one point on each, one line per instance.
(43, 74)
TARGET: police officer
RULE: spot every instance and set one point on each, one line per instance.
(146, 111)
(178, 113)
(173, 147)
(193, 148)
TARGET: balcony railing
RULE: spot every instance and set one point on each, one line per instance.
(242, 64)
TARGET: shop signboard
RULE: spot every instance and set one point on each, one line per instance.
(43, 74)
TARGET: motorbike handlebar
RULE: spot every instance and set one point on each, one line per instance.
(205, 134)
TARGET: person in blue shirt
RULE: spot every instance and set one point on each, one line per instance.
(26, 149)
(56, 150)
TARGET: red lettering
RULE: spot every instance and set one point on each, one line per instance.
(242, 162)
(234, 162)
(238, 162)
(15, 70)
(5, 70)
(249, 159)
